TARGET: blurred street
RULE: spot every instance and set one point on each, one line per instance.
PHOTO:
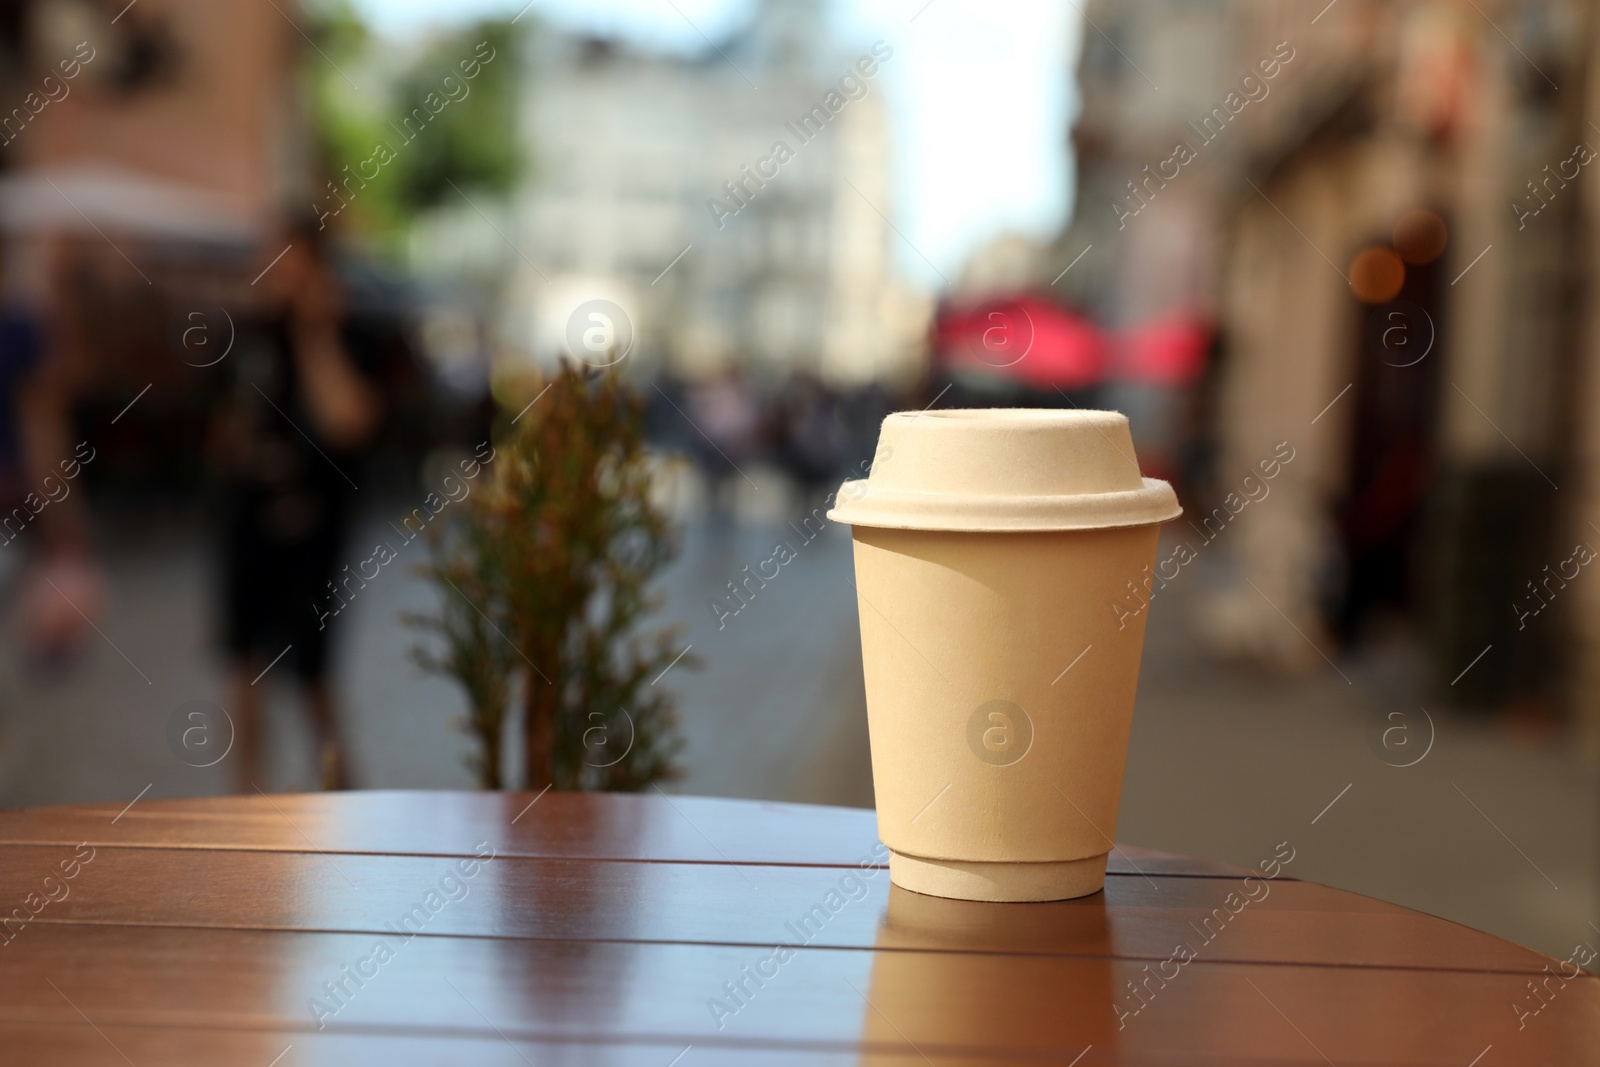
(1224, 762)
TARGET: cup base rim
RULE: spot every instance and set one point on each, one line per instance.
(998, 882)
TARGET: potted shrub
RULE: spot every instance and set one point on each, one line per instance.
(543, 572)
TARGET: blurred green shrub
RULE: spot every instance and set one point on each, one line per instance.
(543, 574)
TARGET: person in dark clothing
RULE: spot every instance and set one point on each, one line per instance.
(20, 347)
(299, 413)
(44, 524)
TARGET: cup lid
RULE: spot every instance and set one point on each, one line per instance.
(1005, 469)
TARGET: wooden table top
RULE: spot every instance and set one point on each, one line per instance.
(506, 929)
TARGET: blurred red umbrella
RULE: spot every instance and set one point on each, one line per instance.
(1024, 339)
(1169, 351)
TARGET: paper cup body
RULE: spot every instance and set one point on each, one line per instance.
(1001, 664)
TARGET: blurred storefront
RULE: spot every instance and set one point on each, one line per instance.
(1382, 205)
(149, 155)
(192, 93)
(168, 122)
(144, 150)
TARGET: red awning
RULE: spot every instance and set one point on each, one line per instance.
(1169, 351)
(1025, 339)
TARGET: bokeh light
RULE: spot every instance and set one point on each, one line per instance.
(1376, 275)
(1420, 236)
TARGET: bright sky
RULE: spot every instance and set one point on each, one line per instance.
(979, 94)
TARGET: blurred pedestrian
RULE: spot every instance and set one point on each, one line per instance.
(300, 412)
(811, 442)
(728, 417)
(42, 521)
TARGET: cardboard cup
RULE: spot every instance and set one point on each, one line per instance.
(1001, 566)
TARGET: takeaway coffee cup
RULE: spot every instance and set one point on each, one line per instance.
(1001, 570)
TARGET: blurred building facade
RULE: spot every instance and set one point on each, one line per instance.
(1283, 167)
(172, 119)
(735, 227)
(144, 151)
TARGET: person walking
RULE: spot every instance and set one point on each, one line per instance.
(299, 413)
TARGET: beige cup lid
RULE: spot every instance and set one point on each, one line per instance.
(1005, 469)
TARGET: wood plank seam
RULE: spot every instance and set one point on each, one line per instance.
(886, 949)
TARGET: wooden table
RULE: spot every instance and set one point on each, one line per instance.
(504, 929)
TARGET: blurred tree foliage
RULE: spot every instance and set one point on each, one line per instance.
(361, 90)
(543, 574)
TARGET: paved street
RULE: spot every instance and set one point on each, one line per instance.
(1492, 829)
